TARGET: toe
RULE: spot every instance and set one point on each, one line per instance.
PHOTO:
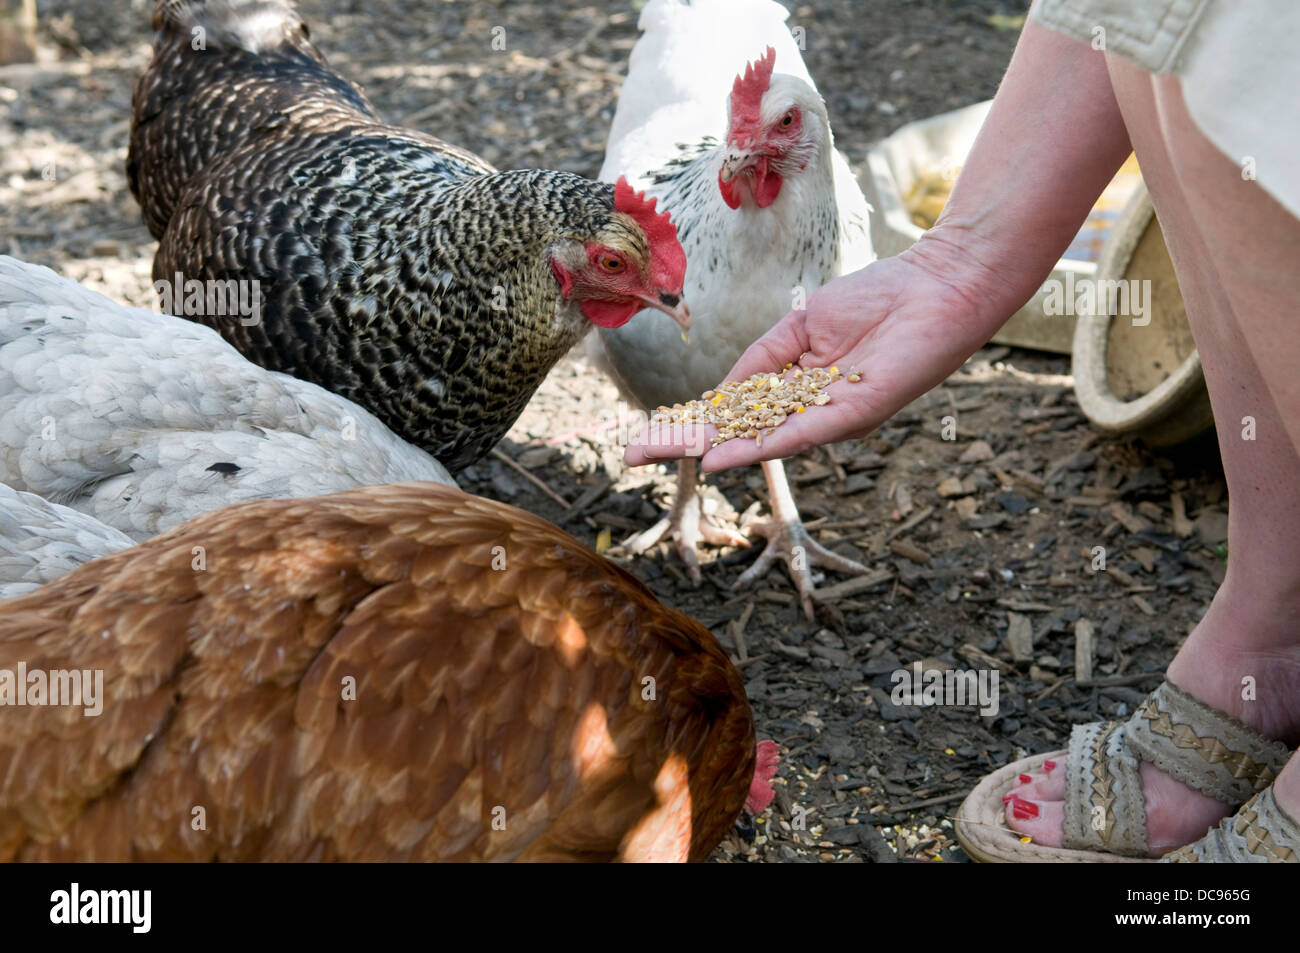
(1040, 786)
(1042, 820)
(686, 551)
(720, 535)
(644, 540)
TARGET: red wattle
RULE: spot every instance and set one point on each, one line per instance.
(763, 185)
(767, 185)
(730, 194)
(610, 314)
(766, 761)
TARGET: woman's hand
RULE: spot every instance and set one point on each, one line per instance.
(1053, 138)
(897, 324)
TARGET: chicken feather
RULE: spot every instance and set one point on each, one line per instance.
(143, 420)
(324, 690)
(388, 266)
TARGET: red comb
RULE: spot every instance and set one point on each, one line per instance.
(760, 789)
(667, 260)
(747, 92)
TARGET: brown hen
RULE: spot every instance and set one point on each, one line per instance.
(400, 672)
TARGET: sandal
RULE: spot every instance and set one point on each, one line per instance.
(1105, 816)
(1261, 832)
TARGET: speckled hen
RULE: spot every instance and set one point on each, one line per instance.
(394, 269)
(400, 672)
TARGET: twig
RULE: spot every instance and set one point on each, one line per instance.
(913, 521)
(592, 494)
(975, 654)
(594, 429)
(500, 455)
(850, 524)
(1051, 689)
(1115, 681)
(860, 584)
(738, 631)
(840, 475)
(902, 810)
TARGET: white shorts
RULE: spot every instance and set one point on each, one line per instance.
(1237, 61)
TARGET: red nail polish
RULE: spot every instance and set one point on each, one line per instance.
(1049, 765)
(1008, 798)
(1025, 779)
(1023, 810)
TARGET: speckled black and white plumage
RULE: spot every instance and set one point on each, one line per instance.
(395, 269)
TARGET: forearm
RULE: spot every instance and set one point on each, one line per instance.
(1052, 141)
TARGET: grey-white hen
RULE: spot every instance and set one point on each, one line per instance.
(144, 420)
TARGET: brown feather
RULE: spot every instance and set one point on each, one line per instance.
(518, 689)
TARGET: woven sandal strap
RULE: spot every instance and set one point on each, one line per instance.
(1205, 749)
(1104, 809)
(1259, 833)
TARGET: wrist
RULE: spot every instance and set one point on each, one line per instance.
(989, 284)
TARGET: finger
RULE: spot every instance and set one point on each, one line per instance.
(780, 346)
(668, 442)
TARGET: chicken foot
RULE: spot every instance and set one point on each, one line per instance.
(685, 523)
(789, 541)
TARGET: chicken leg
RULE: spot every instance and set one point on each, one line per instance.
(685, 524)
(788, 540)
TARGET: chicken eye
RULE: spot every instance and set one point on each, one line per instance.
(787, 120)
(612, 264)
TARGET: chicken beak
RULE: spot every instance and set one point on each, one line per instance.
(735, 162)
(672, 305)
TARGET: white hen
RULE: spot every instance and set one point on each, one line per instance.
(40, 541)
(720, 120)
(144, 420)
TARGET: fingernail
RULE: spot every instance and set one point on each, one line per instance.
(1049, 765)
(1023, 810)
(1008, 798)
(1025, 779)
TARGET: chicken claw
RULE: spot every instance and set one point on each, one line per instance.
(789, 541)
(687, 526)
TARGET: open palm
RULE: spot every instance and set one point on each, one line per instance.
(897, 323)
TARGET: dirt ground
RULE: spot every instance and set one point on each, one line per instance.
(985, 544)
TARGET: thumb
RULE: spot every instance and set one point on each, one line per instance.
(780, 346)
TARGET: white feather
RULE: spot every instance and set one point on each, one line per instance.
(40, 541)
(121, 413)
(746, 266)
(680, 74)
